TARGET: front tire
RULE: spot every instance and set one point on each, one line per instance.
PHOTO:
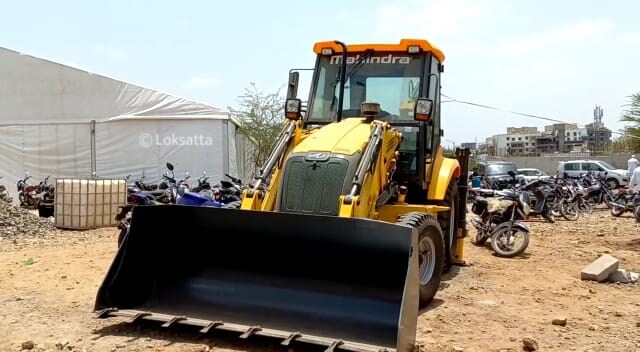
(431, 252)
(501, 242)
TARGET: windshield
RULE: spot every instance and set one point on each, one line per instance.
(606, 165)
(501, 169)
(392, 80)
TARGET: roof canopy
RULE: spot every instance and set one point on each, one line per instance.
(38, 91)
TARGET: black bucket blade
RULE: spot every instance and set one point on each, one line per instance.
(347, 282)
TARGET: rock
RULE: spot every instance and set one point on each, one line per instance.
(457, 349)
(618, 314)
(28, 345)
(529, 344)
(638, 324)
(592, 291)
(121, 345)
(593, 328)
(620, 276)
(561, 321)
(633, 277)
(600, 269)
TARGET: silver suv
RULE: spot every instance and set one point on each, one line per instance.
(574, 168)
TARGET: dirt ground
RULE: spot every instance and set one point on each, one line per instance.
(48, 287)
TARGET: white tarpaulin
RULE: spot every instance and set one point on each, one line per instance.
(61, 121)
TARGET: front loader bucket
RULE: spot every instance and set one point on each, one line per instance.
(338, 283)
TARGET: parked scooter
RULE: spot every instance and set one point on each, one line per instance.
(4, 194)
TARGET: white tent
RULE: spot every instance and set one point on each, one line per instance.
(65, 122)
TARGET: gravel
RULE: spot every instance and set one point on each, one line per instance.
(17, 222)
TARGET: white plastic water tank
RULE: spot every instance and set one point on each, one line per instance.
(88, 203)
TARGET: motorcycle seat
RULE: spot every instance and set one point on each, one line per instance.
(154, 193)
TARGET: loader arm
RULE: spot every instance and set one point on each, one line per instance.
(372, 179)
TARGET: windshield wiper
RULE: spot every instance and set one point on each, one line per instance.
(356, 66)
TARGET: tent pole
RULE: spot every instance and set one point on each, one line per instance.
(93, 148)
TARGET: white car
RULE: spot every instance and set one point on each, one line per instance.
(531, 174)
(575, 168)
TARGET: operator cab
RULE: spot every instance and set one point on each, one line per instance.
(404, 79)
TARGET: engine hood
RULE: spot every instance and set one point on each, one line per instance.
(346, 137)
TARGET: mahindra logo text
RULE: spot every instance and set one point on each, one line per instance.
(389, 59)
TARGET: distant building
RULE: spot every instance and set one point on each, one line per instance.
(472, 146)
(522, 130)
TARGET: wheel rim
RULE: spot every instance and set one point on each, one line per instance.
(426, 260)
(506, 240)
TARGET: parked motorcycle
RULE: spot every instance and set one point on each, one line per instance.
(203, 183)
(4, 194)
(45, 198)
(626, 200)
(27, 192)
(225, 194)
(500, 221)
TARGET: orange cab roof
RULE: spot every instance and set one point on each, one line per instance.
(401, 47)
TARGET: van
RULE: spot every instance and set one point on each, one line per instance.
(575, 168)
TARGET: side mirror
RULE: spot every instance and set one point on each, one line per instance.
(423, 109)
(170, 166)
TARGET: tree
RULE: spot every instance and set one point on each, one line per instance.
(632, 115)
(261, 118)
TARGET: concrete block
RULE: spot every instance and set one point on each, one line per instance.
(600, 269)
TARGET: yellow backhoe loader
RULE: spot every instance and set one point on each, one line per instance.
(344, 233)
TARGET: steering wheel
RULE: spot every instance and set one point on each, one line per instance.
(358, 113)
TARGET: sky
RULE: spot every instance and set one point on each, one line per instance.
(557, 59)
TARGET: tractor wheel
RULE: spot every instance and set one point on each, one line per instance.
(431, 252)
(447, 222)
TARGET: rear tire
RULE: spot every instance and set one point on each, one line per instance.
(613, 183)
(447, 222)
(431, 251)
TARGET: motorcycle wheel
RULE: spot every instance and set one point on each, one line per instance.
(503, 242)
(617, 211)
(569, 211)
(585, 207)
